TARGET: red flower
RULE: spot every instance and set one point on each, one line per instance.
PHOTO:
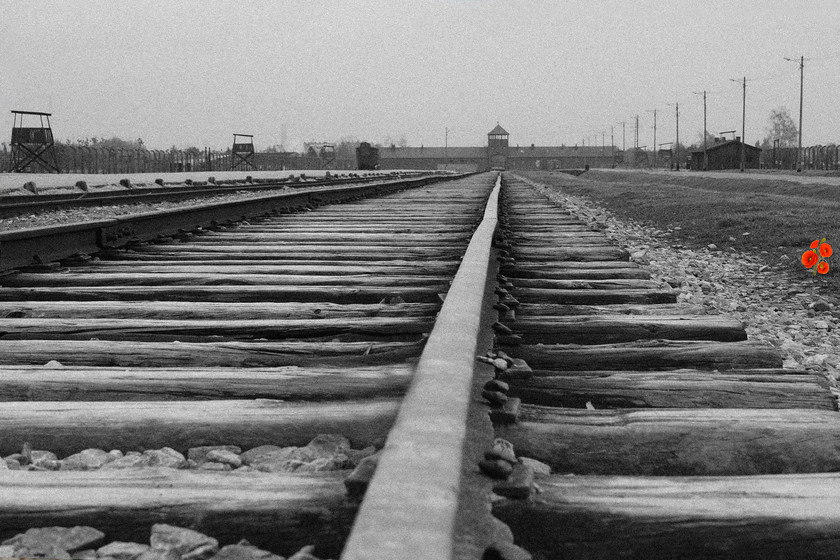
(825, 250)
(809, 258)
(822, 268)
(815, 243)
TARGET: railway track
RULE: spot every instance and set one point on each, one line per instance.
(262, 333)
(668, 433)
(38, 245)
(15, 205)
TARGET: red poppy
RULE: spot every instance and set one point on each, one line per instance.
(826, 250)
(815, 243)
(809, 259)
(822, 268)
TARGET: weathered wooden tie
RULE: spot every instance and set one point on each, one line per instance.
(746, 517)
(609, 329)
(191, 310)
(766, 388)
(294, 383)
(278, 511)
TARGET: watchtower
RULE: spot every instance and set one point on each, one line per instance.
(33, 148)
(328, 155)
(242, 152)
(497, 147)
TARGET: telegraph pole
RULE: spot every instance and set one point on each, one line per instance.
(705, 132)
(676, 152)
(743, 124)
(636, 140)
(801, 89)
(655, 161)
(654, 137)
(799, 162)
(678, 136)
(446, 149)
(744, 127)
(612, 146)
(623, 142)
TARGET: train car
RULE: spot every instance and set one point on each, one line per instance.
(367, 157)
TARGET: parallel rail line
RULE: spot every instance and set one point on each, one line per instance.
(14, 205)
(28, 246)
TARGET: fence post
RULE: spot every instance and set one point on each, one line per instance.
(70, 163)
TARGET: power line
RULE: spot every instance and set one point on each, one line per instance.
(823, 57)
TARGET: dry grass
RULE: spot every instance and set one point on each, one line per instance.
(781, 217)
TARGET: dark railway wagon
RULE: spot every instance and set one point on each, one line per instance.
(367, 157)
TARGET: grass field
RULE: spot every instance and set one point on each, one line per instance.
(781, 217)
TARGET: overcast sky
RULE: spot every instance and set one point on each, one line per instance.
(551, 72)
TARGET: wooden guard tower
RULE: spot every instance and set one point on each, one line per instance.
(242, 152)
(33, 148)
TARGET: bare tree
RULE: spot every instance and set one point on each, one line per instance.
(401, 143)
(346, 148)
(698, 144)
(782, 128)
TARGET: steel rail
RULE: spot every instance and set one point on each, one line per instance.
(28, 246)
(410, 506)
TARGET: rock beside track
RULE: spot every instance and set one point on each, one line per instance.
(326, 452)
(50, 542)
(166, 542)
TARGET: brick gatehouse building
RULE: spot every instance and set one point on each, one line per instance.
(497, 154)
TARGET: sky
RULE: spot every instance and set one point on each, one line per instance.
(551, 72)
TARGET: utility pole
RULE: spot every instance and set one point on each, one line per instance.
(603, 142)
(801, 89)
(705, 133)
(636, 141)
(654, 137)
(623, 141)
(678, 135)
(799, 162)
(675, 152)
(743, 124)
(744, 127)
(612, 146)
(446, 149)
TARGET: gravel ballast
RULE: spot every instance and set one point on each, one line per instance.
(166, 542)
(326, 452)
(793, 315)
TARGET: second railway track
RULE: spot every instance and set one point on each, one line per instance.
(669, 434)
(16, 205)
